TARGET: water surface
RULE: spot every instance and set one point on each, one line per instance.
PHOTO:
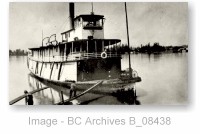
(164, 81)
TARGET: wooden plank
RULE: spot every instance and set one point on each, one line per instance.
(23, 96)
(81, 94)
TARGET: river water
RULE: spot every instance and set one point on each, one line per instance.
(164, 81)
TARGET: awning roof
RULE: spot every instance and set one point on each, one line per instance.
(106, 42)
(90, 17)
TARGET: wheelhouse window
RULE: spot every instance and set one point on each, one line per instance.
(93, 22)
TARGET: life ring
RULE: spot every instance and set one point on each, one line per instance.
(103, 55)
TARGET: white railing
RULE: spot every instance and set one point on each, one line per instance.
(74, 57)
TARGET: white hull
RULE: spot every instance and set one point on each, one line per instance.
(64, 74)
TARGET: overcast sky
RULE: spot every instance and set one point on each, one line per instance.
(166, 23)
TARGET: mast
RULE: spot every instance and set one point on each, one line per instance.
(129, 57)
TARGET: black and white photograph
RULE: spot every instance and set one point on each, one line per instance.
(98, 53)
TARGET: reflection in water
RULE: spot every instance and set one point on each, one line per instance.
(55, 94)
(91, 100)
(164, 77)
(127, 96)
(47, 96)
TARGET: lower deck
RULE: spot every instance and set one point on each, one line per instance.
(78, 71)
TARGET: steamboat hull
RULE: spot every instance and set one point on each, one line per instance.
(108, 86)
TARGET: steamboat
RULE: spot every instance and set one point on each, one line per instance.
(83, 57)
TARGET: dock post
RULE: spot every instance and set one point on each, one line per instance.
(61, 97)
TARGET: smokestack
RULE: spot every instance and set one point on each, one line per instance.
(71, 15)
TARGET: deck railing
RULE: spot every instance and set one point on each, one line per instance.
(74, 57)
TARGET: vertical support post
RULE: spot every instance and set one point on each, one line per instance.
(38, 54)
(110, 50)
(44, 55)
(72, 47)
(53, 53)
(115, 48)
(108, 45)
(65, 53)
(49, 54)
(58, 53)
(81, 45)
(61, 97)
(43, 52)
(87, 50)
(95, 43)
(102, 45)
(120, 45)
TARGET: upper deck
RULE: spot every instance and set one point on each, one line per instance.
(76, 50)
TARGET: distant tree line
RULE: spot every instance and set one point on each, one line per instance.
(155, 48)
(148, 48)
(18, 52)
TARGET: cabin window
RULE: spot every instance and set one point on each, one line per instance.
(45, 65)
(69, 34)
(56, 49)
(57, 66)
